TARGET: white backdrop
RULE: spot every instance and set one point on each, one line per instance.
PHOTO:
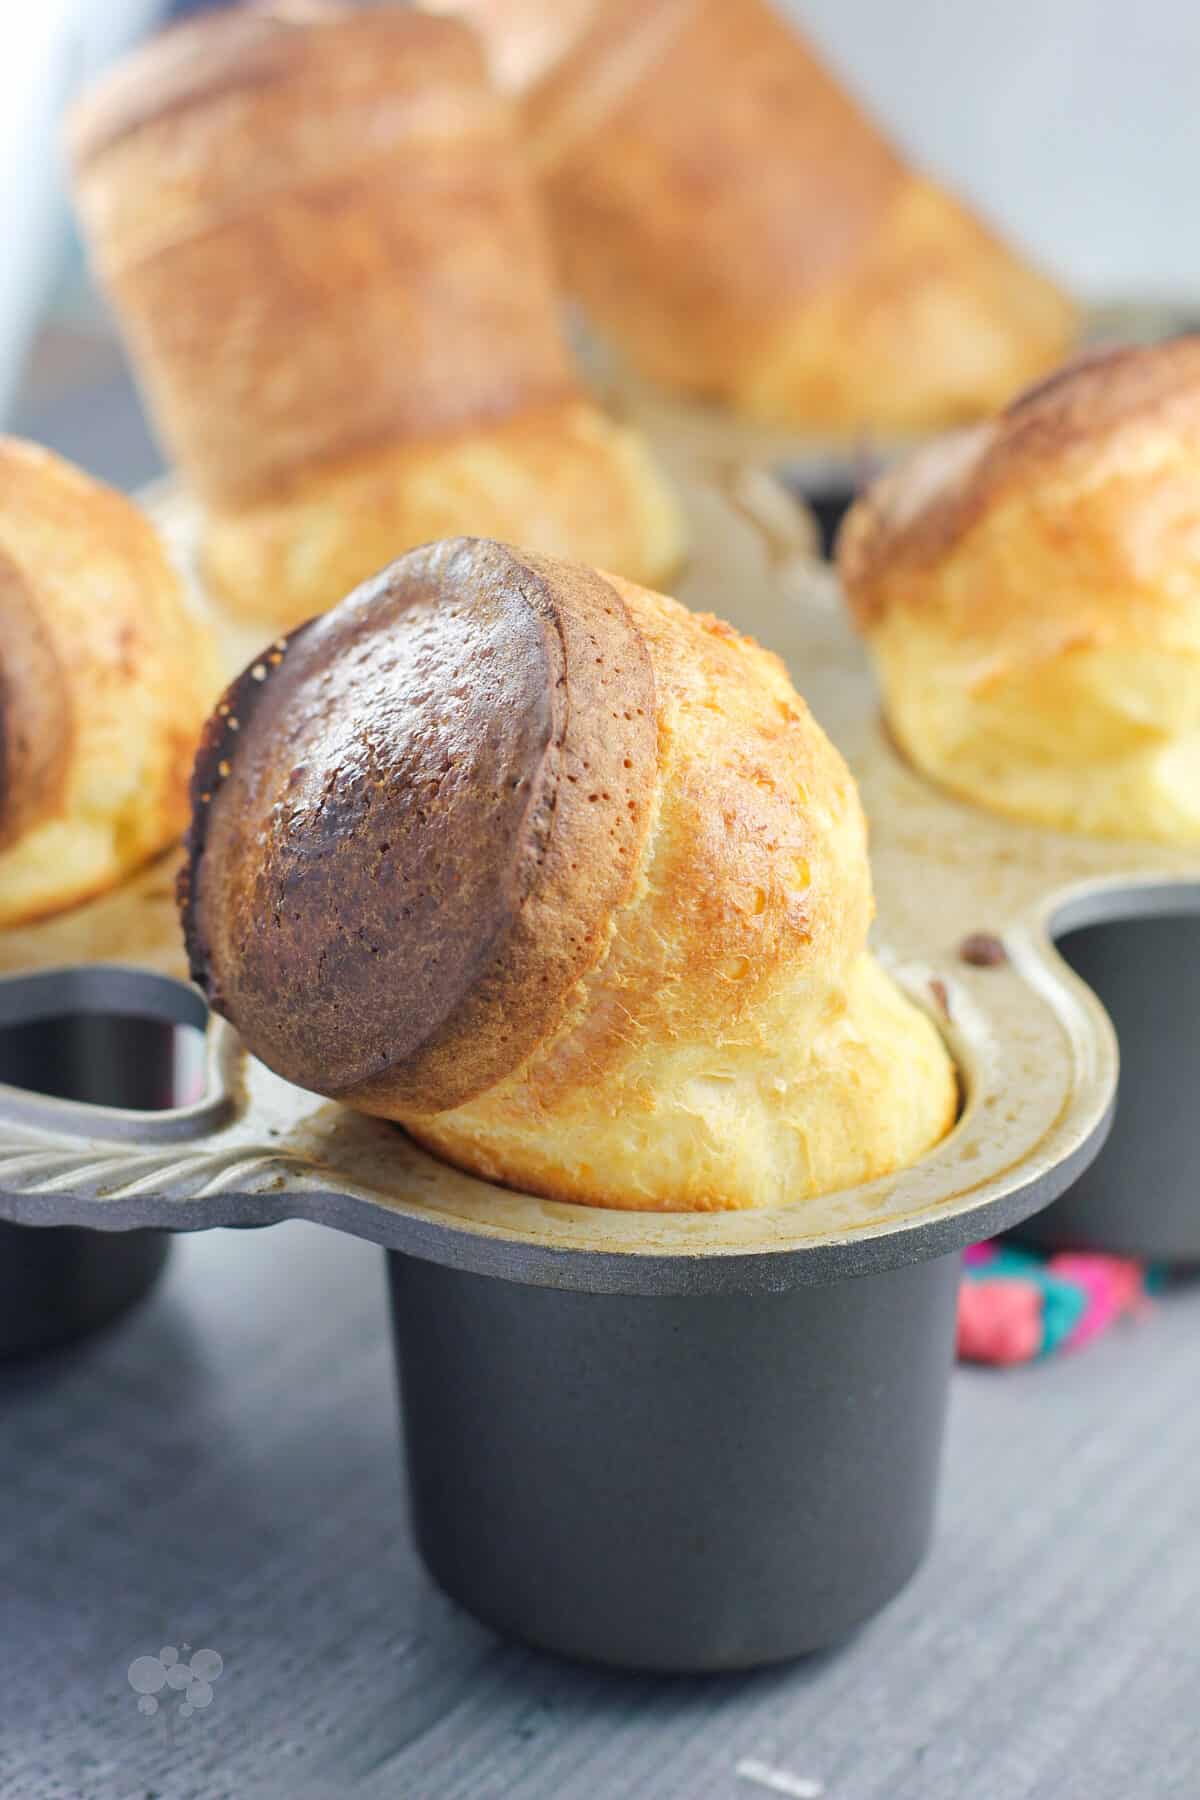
(1074, 123)
(47, 48)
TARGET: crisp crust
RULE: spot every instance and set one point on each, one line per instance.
(564, 479)
(319, 238)
(765, 247)
(1030, 593)
(921, 511)
(35, 711)
(736, 1046)
(243, 47)
(564, 879)
(219, 738)
(418, 835)
(669, 229)
(106, 675)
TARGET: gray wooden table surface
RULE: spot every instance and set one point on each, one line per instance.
(222, 1471)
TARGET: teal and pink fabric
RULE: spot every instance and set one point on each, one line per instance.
(1015, 1306)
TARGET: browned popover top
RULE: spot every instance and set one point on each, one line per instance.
(35, 712)
(478, 727)
(635, 81)
(320, 239)
(254, 46)
(916, 514)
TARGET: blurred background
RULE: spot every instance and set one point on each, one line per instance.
(1073, 123)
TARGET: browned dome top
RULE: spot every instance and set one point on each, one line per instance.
(916, 514)
(254, 47)
(415, 818)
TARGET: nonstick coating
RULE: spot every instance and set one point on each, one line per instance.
(59, 1283)
(1141, 1196)
(679, 1483)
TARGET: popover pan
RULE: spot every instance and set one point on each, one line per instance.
(82, 1041)
(1141, 1197)
(100, 1037)
(94, 1038)
(1125, 916)
(668, 1441)
(673, 1441)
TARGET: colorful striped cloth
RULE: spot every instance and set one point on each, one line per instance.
(1016, 1305)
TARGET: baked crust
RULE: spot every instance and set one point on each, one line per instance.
(564, 478)
(424, 826)
(105, 679)
(325, 250)
(35, 719)
(1031, 591)
(1094, 406)
(728, 214)
(252, 46)
(324, 241)
(566, 880)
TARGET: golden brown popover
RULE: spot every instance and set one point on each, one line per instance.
(106, 676)
(564, 878)
(730, 217)
(324, 250)
(1030, 591)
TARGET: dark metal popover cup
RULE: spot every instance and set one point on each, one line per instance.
(100, 1038)
(674, 1483)
(1141, 1196)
